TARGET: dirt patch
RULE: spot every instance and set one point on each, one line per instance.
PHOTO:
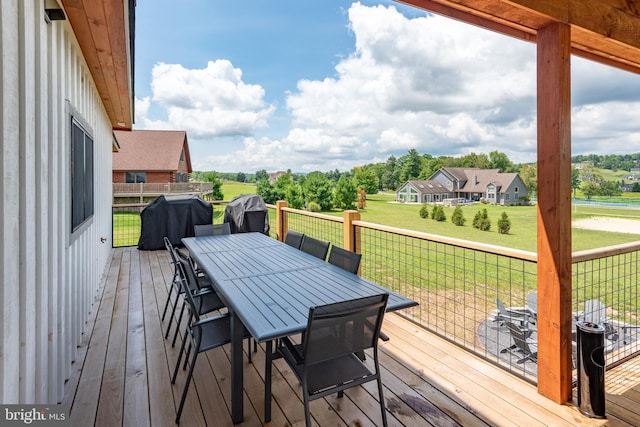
(617, 225)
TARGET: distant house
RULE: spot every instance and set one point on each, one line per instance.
(273, 176)
(151, 156)
(465, 183)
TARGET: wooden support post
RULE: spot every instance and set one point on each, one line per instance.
(282, 225)
(351, 236)
(554, 212)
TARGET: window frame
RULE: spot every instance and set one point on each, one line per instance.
(85, 184)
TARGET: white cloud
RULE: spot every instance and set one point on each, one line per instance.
(429, 83)
(208, 103)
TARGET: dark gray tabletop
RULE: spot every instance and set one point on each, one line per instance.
(271, 286)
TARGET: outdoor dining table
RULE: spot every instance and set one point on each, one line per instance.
(268, 287)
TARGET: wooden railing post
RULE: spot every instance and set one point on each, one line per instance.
(351, 236)
(554, 212)
(282, 225)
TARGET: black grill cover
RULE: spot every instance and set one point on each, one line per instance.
(173, 216)
(247, 213)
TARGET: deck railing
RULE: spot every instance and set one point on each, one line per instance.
(457, 282)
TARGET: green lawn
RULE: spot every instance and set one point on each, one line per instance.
(382, 209)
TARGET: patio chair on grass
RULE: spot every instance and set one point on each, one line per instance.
(315, 247)
(325, 362)
(294, 238)
(596, 312)
(211, 229)
(532, 304)
(203, 334)
(521, 343)
(520, 315)
(347, 260)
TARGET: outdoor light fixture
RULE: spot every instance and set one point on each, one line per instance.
(54, 11)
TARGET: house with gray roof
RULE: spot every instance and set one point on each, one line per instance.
(489, 185)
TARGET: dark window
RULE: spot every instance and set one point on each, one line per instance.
(182, 156)
(135, 177)
(81, 175)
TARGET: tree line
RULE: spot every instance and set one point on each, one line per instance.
(324, 191)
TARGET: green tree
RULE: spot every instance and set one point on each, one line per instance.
(529, 175)
(481, 220)
(500, 161)
(411, 166)
(575, 180)
(266, 191)
(636, 187)
(345, 194)
(366, 179)
(293, 196)
(317, 188)
(504, 224)
(241, 177)
(262, 175)
(424, 211)
(458, 217)
(391, 175)
(589, 189)
(438, 213)
(212, 177)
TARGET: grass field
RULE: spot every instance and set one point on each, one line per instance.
(382, 209)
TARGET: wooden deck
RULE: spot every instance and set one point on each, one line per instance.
(121, 375)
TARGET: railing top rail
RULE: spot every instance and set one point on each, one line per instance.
(499, 250)
(314, 214)
(607, 251)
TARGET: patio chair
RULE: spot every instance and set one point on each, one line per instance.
(532, 304)
(315, 247)
(347, 260)
(211, 229)
(596, 312)
(203, 283)
(520, 315)
(204, 334)
(294, 238)
(522, 343)
(325, 362)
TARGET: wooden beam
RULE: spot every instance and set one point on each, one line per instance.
(554, 212)
(602, 30)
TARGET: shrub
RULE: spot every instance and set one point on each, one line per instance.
(481, 220)
(504, 224)
(424, 211)
(314, 207)
(458, 217)
(438, 213)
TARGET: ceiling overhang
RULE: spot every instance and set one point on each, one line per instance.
(105, 31)
(606, 31)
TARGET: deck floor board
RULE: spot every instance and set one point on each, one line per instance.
(123, 368)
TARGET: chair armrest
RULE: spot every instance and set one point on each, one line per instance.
(291, 349)
(209, 319)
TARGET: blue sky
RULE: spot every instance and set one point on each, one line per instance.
(329, 84)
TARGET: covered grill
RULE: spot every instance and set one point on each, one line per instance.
(247, 213)
(173, 216)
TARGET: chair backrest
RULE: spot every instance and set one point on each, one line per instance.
(532, 302)
(189, 274)
(184, 265)
(342, 328)
(294, 238)
(345, 259)
(595, 311)
(200, 230)
(315, 247)
(519, 337)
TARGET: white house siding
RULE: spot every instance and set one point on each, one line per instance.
(48, 280)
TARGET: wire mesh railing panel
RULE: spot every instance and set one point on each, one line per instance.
(126, 225)
(329, 229)
(606, 291)
(456, 288)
